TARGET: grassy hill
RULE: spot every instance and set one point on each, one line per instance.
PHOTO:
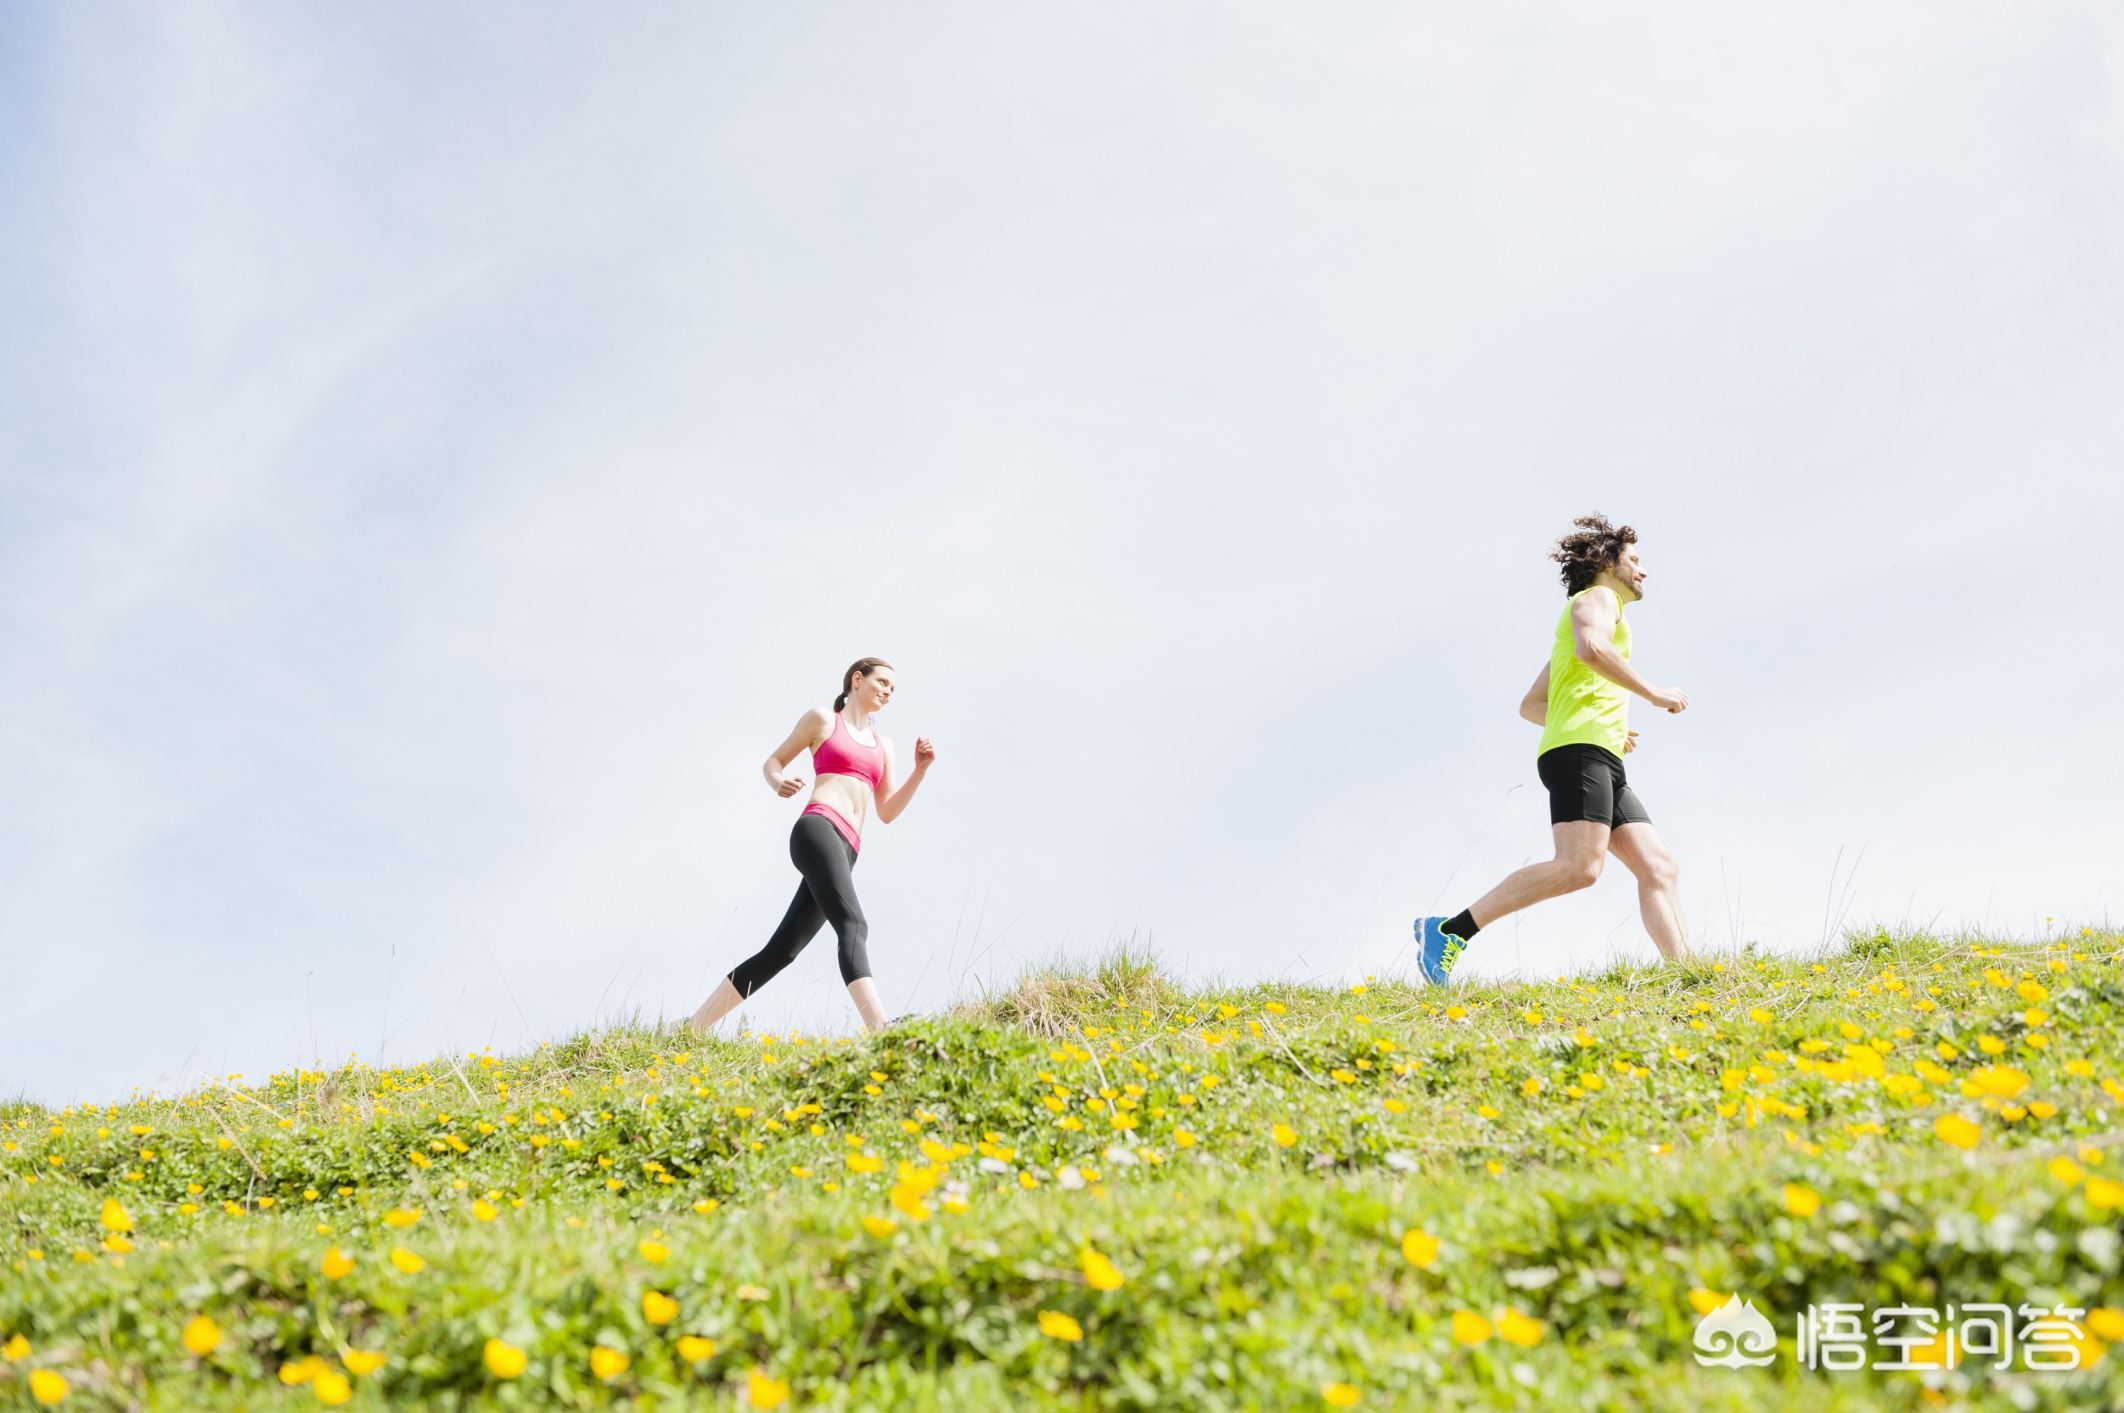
(1103, 1191)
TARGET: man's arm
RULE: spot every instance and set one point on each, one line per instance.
(1593, 638)
(1534, 706)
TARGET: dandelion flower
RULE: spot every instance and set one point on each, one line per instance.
(15, 1350)
(1419, 1248)
(47, 1386)
(1522, 1330)
(1340, 1395)
(1283, 1134)
(336, 1265)
(331, 1387)
(1056, 1325)
(1802, 1200)
(201, 1336)
(654, 1252)
(115, 1217)
(696, 1350)
(1705, 1301)
(504, 1361)
(1470, 1328)
(880, 1227)
(485, 1211)
(658, 1308)
(2107, 1324)
(765, 1392)
(406, 1261)
(1956, 1131)
(608, 1363)
(1099, 1272)
(2102, 1193)
(401, 1216)
(365, 1361)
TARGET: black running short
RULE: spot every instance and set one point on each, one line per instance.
(1587, 783)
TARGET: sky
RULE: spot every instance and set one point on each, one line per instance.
(446, 447)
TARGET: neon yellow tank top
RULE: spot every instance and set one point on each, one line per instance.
(1585, 707)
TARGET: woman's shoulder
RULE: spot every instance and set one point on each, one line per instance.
(818, 721)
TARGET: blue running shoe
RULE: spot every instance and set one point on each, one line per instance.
(1437, 949)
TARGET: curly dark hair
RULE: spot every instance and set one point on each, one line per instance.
(1594, 546)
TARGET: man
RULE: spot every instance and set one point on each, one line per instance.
(1581, 703)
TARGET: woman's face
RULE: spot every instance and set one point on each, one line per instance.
(874, 690)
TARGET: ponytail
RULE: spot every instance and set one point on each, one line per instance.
(861, 667)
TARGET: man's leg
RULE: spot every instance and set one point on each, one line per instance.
(1639, 847)
(1581, 844)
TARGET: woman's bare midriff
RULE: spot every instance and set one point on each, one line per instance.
(846, 795)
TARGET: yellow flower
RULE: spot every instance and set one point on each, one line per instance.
(1522, 1330)
(201, 1336)
(301, 1371)
(704, 1207)
(406, 1261)
(331, 1387)
(880, 1227)
(1705, 1301)
(658, 1308)
(696, 1350)
(608, 1363)
(484, 1211)
(1056, 1325)
(1100, 1273)
(765, 1392)
(2107, 1324)
(1340, 1395)
(504, 1361)
(1418, 1247)
(654, 1252)
(1802, 1200)
(2065, 1170)
(2103, 1193)
(1283, 1135)
(365, 1361)
(1956, 1131)
(337, 1264)
(1470, 1328)
(401, 1217)
(115, 1217)
(1531, 1088)
(15, 1350)
(1274, 1008)
(46, 1386)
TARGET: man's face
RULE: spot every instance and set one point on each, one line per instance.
(1630, 569)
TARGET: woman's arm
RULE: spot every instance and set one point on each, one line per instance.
(808, 732)
(894, 793)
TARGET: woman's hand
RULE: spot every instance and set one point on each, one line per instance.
(789, 785)
(925, 753)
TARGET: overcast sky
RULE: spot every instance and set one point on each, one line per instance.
(446, 447)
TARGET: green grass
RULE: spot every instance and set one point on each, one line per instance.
(1591, 1155)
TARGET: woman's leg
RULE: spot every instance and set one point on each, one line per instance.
(798, 926)
(829, 874)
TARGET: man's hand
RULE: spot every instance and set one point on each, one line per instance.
(1631, 744)
(1669, 699)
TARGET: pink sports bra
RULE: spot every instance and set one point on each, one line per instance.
(842, 754)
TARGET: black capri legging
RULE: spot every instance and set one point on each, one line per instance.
(827, 894)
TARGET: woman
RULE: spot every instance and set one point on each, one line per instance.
(855, 765)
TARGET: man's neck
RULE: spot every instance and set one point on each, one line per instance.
(1624, 594)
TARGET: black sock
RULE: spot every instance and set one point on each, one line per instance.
(1461, 925)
